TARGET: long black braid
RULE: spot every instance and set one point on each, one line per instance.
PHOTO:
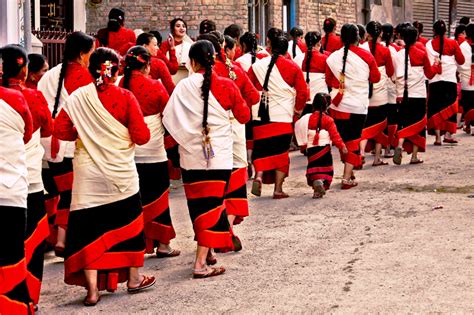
(409, 36)
(328, 27)
(295, 33)
(249, 42)
(470, 35)
(439, 28)
(321, 103)
(137, 58)
(387, 34)
(311, 39)
(374, 29)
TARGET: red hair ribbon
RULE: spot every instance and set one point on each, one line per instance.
(20, 61)
(139, 58)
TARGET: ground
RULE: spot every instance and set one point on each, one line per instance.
(401, 242)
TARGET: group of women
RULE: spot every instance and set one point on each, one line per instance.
(103, 132)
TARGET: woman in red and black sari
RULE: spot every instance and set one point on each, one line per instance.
(56, 85)
(284, 92)
(197, 116)
(466, 74)
(105, 244)
(115, 35)
(16, 128)
(14, 75)
(151, 159)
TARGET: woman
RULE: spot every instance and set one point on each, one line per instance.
(15, 72)
(313, 64)
(419, 27)
(115, 35)
(234, 31)
(158, 68)
(442, 94)
(376, 122)
(412, 69)
(16, 128)
(56, 85)
(284, 92)
(330, 42)
(362, 34)
(296, 45)
(172, 62)
(37, 67)
(466, 74)
(106, 215)
(197, 116)
(151, 159)
(249, 44)
(348, 72)
(460, 37)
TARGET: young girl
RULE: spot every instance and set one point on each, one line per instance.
(316, 131)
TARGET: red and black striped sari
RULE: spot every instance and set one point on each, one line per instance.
(412, 124)
(154, 190)
(442, 107)
(374, 128)
(467, 101)
(320, 165)
(63, 176)
(51, 201)
(392, 124)
(171, 146)
(236, 202)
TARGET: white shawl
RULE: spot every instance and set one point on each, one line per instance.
(153, 151)
(448, 64)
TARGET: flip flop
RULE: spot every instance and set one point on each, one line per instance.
(381, 163)
(211, 260)
(348, 184)
(397, 157)
(451, 141)
(145, 284)
(257, 187)
(318, 187)
(88, 302)
(281, 195)
(171, 253)
(211, 272)
(437, 143)
(417, 161)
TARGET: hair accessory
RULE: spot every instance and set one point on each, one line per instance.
(230, 68)
(139, 58)
(105, 72)
(207, 150)
(20, 61)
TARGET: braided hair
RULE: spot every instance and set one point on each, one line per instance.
(419, 27)
(279, 48)
(248, 41)
(374, 29)
(439, 28)
(104, 64)
(321, 103)
(328, 27)
(137, 58)
(14, 59)
(202, 52)
(349, 36)
(207, 26)
(77, 43)
(387, 34)
(362, 31)
(273, 33)
(214, 40)
(311, 39)
(116, 20)
(409, 36)
(296, 32)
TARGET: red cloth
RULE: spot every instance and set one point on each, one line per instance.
(38, 107)
(292, 75)
(333, 42)
(383, 58)
(117, 40)
(159, 71)
(121, 104)
(422, 40)
(18, 102)
(238, 53)
(318, 62)
(301, 45)
(420, 58)
(76, 76)
(450, 48)
(171, 63)
(151, 94)
(327, 123)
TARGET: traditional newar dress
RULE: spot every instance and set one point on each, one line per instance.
(286, 94)
(120, 41)
(442, 91)
(58, 153)
(15, 130)
(466, 74)
(331, 42)
(159, 71)
(205, 180)
(152, 162)
(236, 195)
(412, 114)
(376, 122)
(392, 112)
(300, 48)
(105, 231)
(37, 229)
(182, 55)
(318, 146)
(350, 114)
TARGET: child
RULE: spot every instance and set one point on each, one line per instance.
(316, 131)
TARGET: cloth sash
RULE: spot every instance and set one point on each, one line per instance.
(239, 144)
(13, 169)
(245, 61)
(182, 118)
(448, 64)
(104, 166)
(356, 93)
(34, 157)
(380, 92)
(305, 136)
(48, 85)
(465, 70)
(391, 85)
(154, 150)
(281, 96)
(299, 60)
(317, 84)
(416, 77)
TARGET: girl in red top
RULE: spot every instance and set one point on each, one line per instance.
(37, 67)
(180, 42)
(151, 159)
(296, 45)
(15, 72)
(116, 36)
(419, 28)
(316, 131)
(234, 31)
(330, 42)
(172, 62)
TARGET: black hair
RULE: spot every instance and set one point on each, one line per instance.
(248, 41)
(465, 20)
(410, 35)
(470, 35)
(295, 33)
(439, 28)
(36, 62)
(279, 48)
(173, 24)
(99, 57)
(234, 31)
(229, 42)
(387, 33)
(144, 39)
(207, 26)
(311, 39)
(202, 52)
(274, 33)
(321, 103)
(157, 34)
(328, 26)
(399, 29)
(214, 40)
(14, 59)
(362, 31)
(419, 27)
(76, 43)
(459, 29)
(137, 58)
(374, 29)
(116, 19)
(349, 36)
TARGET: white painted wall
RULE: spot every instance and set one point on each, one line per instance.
(11, 18)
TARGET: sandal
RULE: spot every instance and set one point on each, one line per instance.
(171, 253)
(450, 140)
(437, 143)
(348, 184)
(417, 161)
(207, 272)
(388, 154)
(145, 284)
(397, 156)
(211, 259)
(88, 302)
(380, 163)
(318, 187)
(280, 195)
(257, 187)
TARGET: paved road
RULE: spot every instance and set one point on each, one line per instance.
(378, 248)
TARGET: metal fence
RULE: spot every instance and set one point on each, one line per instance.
(53, 44)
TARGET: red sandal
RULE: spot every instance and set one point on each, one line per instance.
(145, 284)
